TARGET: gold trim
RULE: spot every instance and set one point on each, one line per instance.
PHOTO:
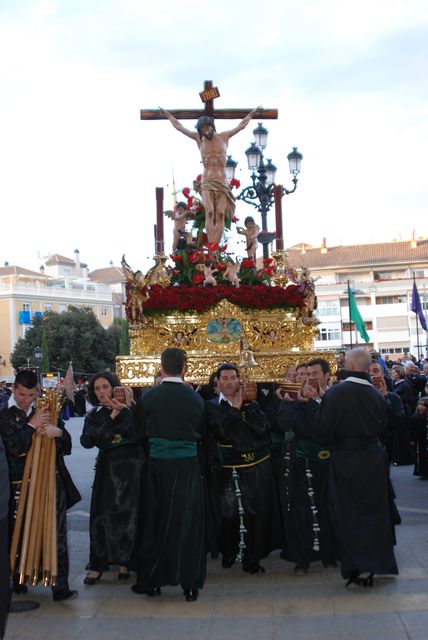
(241, 466)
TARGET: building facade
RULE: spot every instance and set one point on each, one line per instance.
(61, 282)
(381, 278)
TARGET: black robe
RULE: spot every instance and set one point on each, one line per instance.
(17, 438)
(171, 545)
(353, 417)
(310, 535)
(419, 437)
(116, 490)
(243, 437)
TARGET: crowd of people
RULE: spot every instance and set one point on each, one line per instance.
(233, 469)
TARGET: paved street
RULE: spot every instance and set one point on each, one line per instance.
(233, 604)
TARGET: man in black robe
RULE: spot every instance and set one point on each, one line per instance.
(171, 546)
(251, 524)
(18, 424)
(353, 418)
(309, 533)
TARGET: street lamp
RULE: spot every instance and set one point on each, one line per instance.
(38, 360)
(261, 193)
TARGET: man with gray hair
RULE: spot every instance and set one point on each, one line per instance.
(353, 418)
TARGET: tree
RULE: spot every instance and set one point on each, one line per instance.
(45, 352)
(74, 335)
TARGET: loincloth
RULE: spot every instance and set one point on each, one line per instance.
(218, 188)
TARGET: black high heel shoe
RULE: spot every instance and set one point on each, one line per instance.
(191, 595)
(356, 579)
(156, 591)
(90, 580)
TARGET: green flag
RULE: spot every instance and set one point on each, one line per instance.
(355, 316)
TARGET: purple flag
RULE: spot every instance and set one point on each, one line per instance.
(417, 307)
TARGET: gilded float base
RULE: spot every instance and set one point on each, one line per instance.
(277, 338)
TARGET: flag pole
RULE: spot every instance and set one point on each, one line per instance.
(349, 307)
(417, 320)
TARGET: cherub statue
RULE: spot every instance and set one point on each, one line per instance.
(251, 232)
(231, 272)
(136, 292)
(180, 216)
(208, 273)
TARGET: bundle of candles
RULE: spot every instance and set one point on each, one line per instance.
(34, 541)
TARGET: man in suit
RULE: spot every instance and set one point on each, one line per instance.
(171, 546)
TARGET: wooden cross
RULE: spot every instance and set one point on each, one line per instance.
(207, 96)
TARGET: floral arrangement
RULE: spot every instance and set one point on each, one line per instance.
(199, 299)
(188, 265)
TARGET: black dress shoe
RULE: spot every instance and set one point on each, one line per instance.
(20, 588)
(191, 595)
(228, 561)
(91, 580)
(156, 591)
(64, 594)
(329, 564)
(253, 568)
(123, 575)
(301, 568)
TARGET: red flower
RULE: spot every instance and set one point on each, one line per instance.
(186, 192)
(197, 278)
(235, 219)
(194, 257)
(235, 183)
(247, 264)
(212, 246)
(199, 178)
(176, 258)
(189, 201)
(268, 261)
(204, 238)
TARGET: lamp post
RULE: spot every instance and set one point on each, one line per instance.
(38, 360)
(261, 193)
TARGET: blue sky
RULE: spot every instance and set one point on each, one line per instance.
(79, 169)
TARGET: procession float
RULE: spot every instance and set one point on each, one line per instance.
(203, 298)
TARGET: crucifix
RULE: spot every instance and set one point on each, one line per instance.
(215, 191)
(207, 96)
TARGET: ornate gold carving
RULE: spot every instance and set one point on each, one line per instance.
(277, 338)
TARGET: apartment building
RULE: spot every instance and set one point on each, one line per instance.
(381, 277)
(61, 281)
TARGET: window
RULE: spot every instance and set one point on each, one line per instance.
(26, 306)
(62, 308)
(350, 326)
(328, 308)
(104, 312)
(48, 307)
(117, 311)
(390, 299)
(66, 272)
(329, 334)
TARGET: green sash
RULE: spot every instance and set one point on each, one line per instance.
(163, 449)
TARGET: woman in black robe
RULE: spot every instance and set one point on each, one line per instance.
(116, 489)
